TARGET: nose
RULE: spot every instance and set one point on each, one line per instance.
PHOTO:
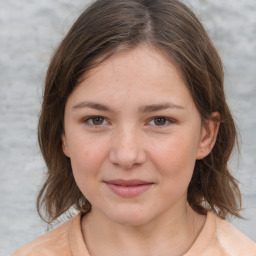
(127, 149)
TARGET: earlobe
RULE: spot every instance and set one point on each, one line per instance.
(209, 135)
(64, 145)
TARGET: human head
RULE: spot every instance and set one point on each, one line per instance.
(108, 26)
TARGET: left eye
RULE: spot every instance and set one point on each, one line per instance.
(159, 121)
(95, 120)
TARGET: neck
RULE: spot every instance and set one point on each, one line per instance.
(171, 234)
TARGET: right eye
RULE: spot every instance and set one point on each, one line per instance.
(95, 121)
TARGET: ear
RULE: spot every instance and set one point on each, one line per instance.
(209, 134)
(64, 145)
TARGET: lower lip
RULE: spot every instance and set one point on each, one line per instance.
(131, 191)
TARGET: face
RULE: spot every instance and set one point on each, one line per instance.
(133, 134)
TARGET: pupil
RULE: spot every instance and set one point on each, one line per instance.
(97, 120)
(160, 121)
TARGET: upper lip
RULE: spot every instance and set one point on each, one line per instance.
(127, 183)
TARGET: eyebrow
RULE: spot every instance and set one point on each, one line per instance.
(158, 107)
(93, 105)
(142, 109)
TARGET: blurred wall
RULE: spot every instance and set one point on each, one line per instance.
(29, 32)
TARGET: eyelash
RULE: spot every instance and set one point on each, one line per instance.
(89, 120)
(167, 121)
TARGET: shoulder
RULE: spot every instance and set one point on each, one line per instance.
(55, 242)
(220, 238)
(233, 241)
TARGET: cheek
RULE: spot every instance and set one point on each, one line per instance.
(175, 156)
(86, 157)
(86, 165)
(175, 163)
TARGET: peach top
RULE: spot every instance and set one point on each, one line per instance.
(217, 238)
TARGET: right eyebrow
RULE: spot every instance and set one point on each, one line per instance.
(93, 105)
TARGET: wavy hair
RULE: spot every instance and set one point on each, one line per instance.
(108, 26)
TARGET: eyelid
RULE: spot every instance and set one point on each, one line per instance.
(168, 119)
(87, 119)
(106, 122)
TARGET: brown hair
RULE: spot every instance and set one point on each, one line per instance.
(105, 27)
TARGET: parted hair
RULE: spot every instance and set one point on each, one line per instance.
(108, 26)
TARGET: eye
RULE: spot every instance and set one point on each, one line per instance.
(95, 120)
(160, 121)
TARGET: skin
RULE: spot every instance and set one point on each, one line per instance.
(137, 135)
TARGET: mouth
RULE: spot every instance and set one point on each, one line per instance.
(128, 188)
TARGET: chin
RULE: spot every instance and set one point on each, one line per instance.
(130, 216)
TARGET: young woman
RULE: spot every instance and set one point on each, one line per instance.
(136, 134)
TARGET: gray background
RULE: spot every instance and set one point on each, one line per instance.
(29, 32)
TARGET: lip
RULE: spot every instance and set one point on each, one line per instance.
(128, 188)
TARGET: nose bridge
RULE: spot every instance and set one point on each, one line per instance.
(127, 149)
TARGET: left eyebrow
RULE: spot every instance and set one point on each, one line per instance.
(157, 107)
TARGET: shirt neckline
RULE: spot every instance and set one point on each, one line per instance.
(205, 237)
(77, 244)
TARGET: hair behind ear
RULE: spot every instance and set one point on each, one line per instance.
(212, 186)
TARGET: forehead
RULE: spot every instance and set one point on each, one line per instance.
(142, 72)
(143, 59)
